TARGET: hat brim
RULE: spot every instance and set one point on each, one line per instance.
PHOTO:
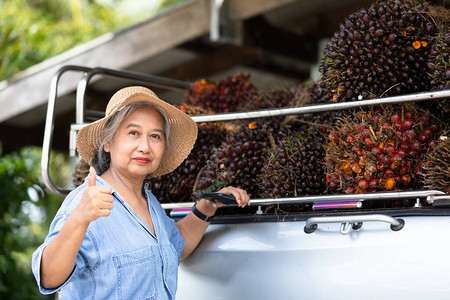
(182, 135)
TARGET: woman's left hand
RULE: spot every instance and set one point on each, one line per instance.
(241, 195)
(209, 207)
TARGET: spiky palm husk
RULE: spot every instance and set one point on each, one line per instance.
(436, 170)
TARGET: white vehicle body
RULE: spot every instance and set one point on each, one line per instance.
(278, 260)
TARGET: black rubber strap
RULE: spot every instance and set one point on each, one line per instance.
(200, 215)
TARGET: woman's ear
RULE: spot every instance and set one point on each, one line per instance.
(107, 147)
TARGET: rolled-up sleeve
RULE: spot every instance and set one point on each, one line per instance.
(55, 227)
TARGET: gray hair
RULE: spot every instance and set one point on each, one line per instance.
(102, 160)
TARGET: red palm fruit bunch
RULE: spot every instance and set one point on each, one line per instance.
(178, 185)
(240, 159)
(380, 51)
(436, 166)
(295, 166)
(379, 150)
(223, 96)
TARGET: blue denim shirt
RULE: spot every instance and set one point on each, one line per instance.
(119, 258)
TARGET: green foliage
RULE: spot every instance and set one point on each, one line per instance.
(23, 222)
(32, 31)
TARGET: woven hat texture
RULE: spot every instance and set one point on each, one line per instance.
(182, 136)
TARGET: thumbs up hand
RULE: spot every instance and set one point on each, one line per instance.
(92, 177)
(96, 201)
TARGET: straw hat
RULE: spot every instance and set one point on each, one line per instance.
(182, 136)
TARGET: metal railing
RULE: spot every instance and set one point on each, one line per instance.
(176, 84)
(381, 196)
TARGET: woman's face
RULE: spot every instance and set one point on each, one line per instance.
(138, 144)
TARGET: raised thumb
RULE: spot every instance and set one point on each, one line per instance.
(92, 177)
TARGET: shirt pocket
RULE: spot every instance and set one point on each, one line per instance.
(136, 272)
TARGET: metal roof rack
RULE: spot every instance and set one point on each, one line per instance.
(176, 84)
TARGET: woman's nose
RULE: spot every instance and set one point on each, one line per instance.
(144, 144)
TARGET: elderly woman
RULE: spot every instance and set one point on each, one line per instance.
(111, 239)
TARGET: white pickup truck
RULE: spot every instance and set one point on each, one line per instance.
(395, 254)
(357, 253)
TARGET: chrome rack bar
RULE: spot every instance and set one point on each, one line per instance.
(311, 199)
(320, 107)
(48, 130)
(433, 199)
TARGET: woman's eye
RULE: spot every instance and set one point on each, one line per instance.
(133, 132)
(155, 136)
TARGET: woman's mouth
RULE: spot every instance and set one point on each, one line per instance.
(142, 160)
